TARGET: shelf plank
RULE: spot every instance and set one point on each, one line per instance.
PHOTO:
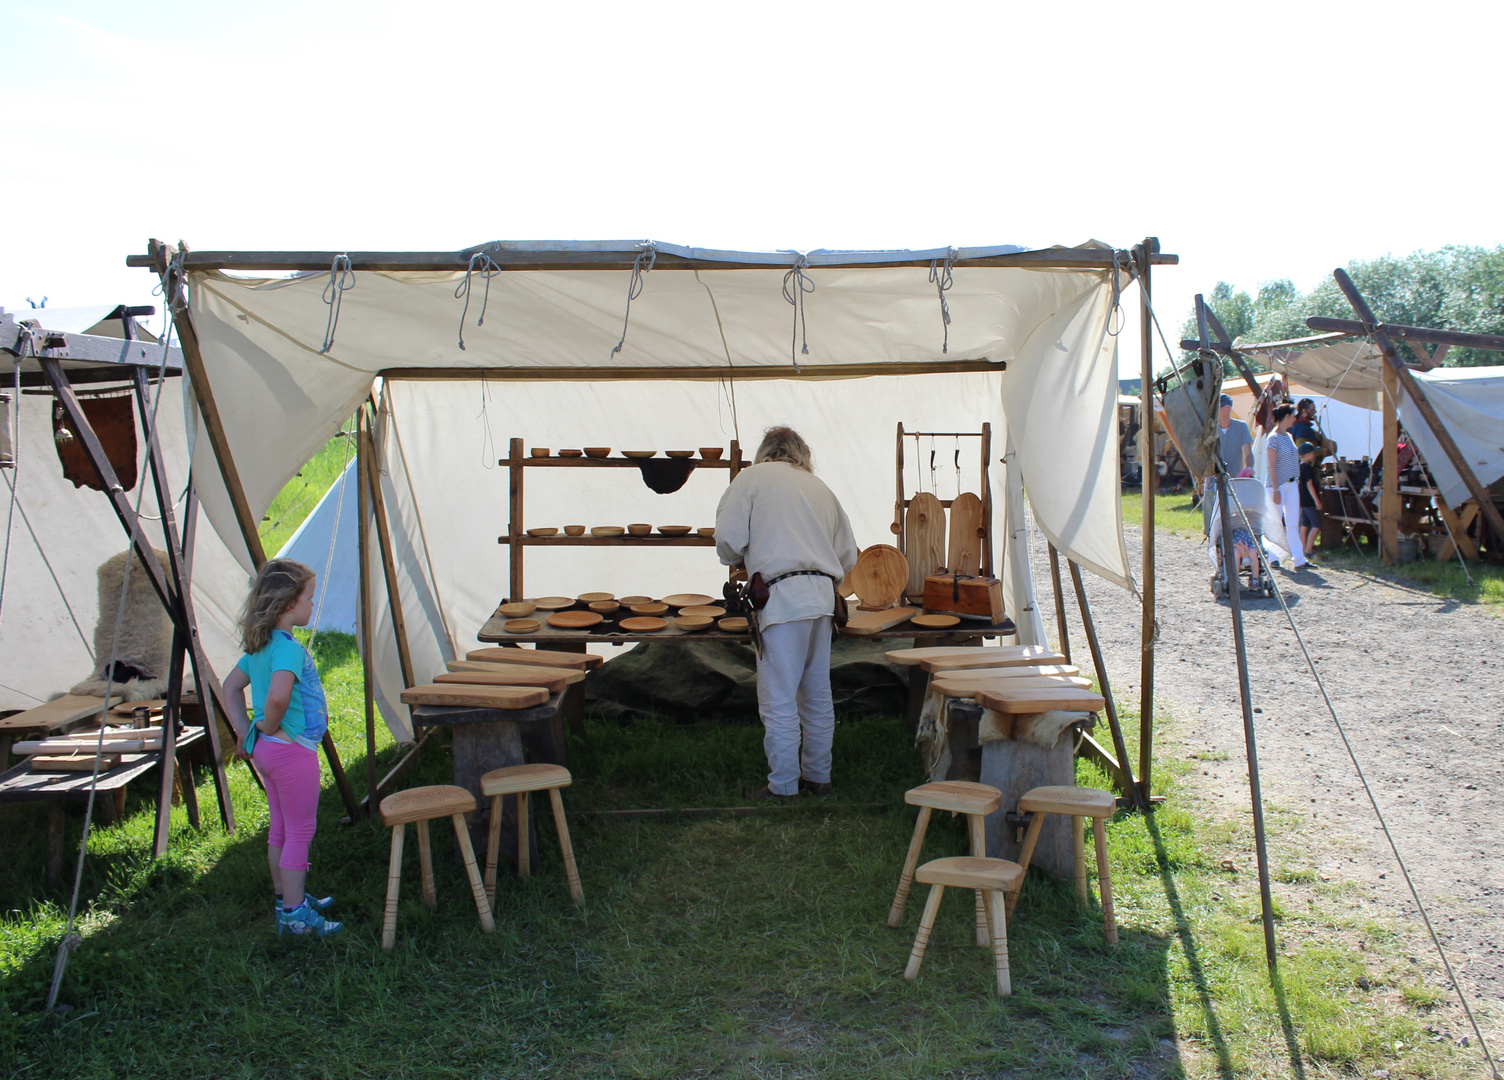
(613, 462)
(609, 541)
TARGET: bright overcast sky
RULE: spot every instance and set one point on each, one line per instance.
(1258, 141)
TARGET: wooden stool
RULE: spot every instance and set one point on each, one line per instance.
(1079, 803)
(976, 801)
(522, 780)
(996, 878)
(421, 805)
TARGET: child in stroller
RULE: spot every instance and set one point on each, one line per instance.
(1249, 492)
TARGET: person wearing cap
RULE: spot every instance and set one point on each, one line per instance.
(1310, 498)
(1235, 440)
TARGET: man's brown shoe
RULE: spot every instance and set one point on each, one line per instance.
(766, 794)
(817, 789)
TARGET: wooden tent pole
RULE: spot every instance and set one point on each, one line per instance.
(388, 560)
(1062, 631)
(1149, 630)
(363, 602)
(1389, 498)
(987, 499)
(1423, 405)
(1134, 792)
(193, 359)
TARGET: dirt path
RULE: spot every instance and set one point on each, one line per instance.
(1417, 681)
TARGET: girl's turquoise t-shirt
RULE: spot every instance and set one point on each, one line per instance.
(307, 716)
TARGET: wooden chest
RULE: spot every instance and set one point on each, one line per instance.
(956, 594)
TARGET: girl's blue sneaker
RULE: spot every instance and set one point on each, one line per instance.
(312, 901)
(305, 920)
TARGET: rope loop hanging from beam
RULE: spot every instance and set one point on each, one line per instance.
(483, 262)
(1116, 311)
(796, 284)
(341, 278)
(647, 250)
(940, 278)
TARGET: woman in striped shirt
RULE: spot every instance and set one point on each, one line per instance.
(1283, 485)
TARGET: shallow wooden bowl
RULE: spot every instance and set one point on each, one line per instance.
(540, 451)
(604, 607)
(642, 625)
(640, 529)
(553, 603)
(520, 609)
(639, 453)
(705, 530)
(675, 530)
(571, 453)
(521, 626)
(709, 611)
(935, 622)
(597, 451)
(712, 453)
(649, 609)
(628, 601)
(574, 620)
(543, 532)
(692, 623)
(688, 599)
(592, 597)
(574, 530)
(733, 625)
(680, 453)
(607, 530)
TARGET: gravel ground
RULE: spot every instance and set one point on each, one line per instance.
(1416, 681)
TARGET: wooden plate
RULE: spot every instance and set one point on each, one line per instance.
(688, 599)
(553, 603)
(733, 625)
(639, 453)
(597, 451)
(649, 609)
(607, 530)
(543, 532)
(521, 626)
(680, 453)
(675, 530)
(605, 607)
(628, 601)
(570, 453)
(710, 611)
(879, 577)
(692, 623)
(574, 620)
(520, 610)
(712, 453)
(935, 622)
(592, 597)
(642, 625)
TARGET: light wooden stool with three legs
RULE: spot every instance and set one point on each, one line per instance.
(992, 878)
(976, 801)
(1078, 803)
(521, 781)
(421, 805)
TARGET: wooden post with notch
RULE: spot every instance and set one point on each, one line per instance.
(1144, 254)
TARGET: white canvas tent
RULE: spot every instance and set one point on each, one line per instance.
(327, 542)
(713, 346)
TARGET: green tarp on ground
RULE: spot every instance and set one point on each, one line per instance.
(712, 680)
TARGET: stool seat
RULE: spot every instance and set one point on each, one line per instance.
(522, 676)
(1023, 654)
(422, 803)
(965, 687)
(476, 697)
(1040, 700)
(538, 657)
(971, 873)
(999, 656)
(1075, 801)
(957, 796)
(515, 778)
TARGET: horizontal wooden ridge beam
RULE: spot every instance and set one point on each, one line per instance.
(1355, 328)
(741, 373)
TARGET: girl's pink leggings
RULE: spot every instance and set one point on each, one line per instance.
(291, 775)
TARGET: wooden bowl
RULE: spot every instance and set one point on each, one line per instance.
(709, 611)
(571, 453)
(540, 451)
(543, 532)
(675, 530)
(712, 453)
(687, 599)
(521, 626)
(597, 451)
(733, 625)
(592, 597)
(693, 623)
(628, 601)
(574, 620)
(640, 529)
(607, 530)
(553, 603)
(604, 607)
(680, 453)
(518, 610)
(649, 609)
(639, 453)
(643, 625)
(574, 530)
(705, 530)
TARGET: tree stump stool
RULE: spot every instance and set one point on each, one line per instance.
(421, 805)
(994, 878)
(976, 801)
(521, 781)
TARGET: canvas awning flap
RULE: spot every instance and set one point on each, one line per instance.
(1470, 403)
(1348, 371)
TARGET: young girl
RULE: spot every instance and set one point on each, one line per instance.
(290, 717)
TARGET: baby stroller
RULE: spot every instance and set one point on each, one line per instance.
(1245, 536)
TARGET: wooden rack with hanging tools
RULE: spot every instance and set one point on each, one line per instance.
(902, 501)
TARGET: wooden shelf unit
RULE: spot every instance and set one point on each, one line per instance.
(516, 538)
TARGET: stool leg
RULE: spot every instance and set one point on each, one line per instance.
(1031, 838)
(998, 908)
(1078, 855)
(524, 841)
(425, 860)
(926, 924)
(911, 860)
(493, 846)
(978, 828)
(571, 872)
(482, 905)
(1105, 881)
(393, 886)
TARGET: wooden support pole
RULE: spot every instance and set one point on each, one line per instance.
(987, 562)
(1149, 629)
(363, 604)
(1422, 403)
(388, 558)
(1134, 791)
(898, 515)
(171, 715)
(515, 520)
(1061, 630)
(1389, 497)
(161, 256)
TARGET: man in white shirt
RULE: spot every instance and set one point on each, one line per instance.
(778, 520)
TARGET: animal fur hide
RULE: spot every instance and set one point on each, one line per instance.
(143, 653)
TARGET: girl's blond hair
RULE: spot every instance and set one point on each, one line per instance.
(277, 588)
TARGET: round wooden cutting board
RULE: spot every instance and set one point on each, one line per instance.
(879, 576)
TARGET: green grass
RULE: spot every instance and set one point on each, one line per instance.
(303, 492)
(1173, 513)
(710, 946)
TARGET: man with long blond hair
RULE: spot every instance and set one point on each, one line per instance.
(779, 520)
